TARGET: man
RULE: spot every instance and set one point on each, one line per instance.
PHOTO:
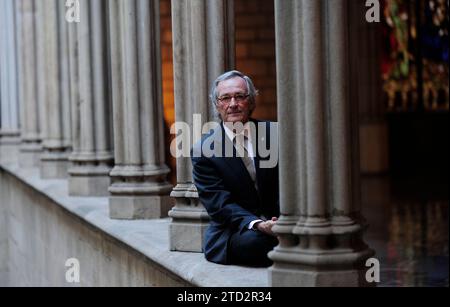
(240, 196)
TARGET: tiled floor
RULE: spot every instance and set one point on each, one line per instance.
(408, 221)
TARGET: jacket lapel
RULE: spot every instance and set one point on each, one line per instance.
(236, 164)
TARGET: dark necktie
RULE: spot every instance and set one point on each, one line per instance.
(241, 143)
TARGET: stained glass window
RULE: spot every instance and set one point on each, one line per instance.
(415, 57)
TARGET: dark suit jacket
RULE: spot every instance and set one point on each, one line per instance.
(228, 193)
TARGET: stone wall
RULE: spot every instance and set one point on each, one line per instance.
(42, 236)
(43, 227)
(167, 82)
(255, 51)
(166, 58)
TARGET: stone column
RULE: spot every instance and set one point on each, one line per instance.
(9, 102)
(92, 155)
(319, 134)
(31, 147)
(203, 49)
(139, 189)
(56, 143)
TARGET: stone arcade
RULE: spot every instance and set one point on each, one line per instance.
(91, 178)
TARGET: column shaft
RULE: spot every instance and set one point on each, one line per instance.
(203, 49)
(31, 148)
(40, 67)
(314, 108)
(54, 161)
(9, 102)
(92, 155)
(139, 188)
(342, 181)
(290, 87)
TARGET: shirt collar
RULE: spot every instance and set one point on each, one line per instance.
(231, 135)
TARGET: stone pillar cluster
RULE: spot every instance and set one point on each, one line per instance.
(88, 96)
(203, 48)
(320, 228)
(139, 188)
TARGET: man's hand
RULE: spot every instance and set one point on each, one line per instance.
(266, 226)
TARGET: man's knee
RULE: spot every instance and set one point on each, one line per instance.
(260, 241)
(251, 248)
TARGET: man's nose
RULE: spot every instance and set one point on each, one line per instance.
(233, 102)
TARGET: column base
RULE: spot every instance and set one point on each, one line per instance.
(139, 207)
(9, 153)
(187, 237)
(189, 220)
(9, 148)
(89, 185)
(329, 256)
(293, 277)
(30, 156)
(54, 166)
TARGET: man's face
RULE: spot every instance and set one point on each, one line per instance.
(239, 108)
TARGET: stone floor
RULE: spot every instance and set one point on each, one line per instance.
(408, 220)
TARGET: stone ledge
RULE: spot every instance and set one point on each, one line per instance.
(148, 237)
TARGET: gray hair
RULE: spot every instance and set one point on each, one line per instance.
(251, 90)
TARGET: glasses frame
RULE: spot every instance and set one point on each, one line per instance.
(222, 100)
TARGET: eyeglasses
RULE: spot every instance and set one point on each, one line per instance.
(237, 97)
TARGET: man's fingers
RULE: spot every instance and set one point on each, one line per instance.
(266, 227)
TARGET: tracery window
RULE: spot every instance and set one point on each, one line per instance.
(415, 57)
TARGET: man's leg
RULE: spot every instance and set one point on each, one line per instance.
(250, 247)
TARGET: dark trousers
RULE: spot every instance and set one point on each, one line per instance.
(250, 247)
